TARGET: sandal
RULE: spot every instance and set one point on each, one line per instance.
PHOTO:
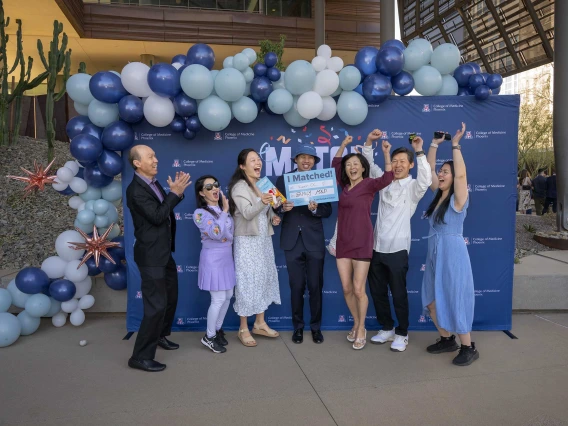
(360, 343)
(351, 336)
(246, 340)
(264, 330)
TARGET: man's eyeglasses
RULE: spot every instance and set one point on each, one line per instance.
(210, 186)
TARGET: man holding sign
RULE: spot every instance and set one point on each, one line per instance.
(302, 240)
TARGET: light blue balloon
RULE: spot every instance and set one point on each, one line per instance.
(101, 207)
(19, 299)
(86, 217)
(102, 114)
(337, 92)
(91, 194)
(249, 74)
(245, 109)
(414, 58)
(280, 84)
(300, 77)
(101, 221)
(349, 78)
(293, 117)
(427, 80)
(251, 54)
(196, 81)
(241, 61)
(117, 203)
(214, 74)
(280, 101)
(38, 305)
(28, 323)
(81, 109)
(87, 229)
(352, 108)
(115, 232)
(449, 86)
(10, 329)
(228, 62)
(230, 84)
(112, 214)
(78, 88)
(111, 192)
(5, 300)
(54, 308)
(90, 205)
(214, 113)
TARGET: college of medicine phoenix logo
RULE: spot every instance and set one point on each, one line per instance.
(426, 108)
(135, 136)
(138, 295)
(468, 134)
(385, 134)
(466, 240)
(218, 137)
(180, 268)
(341, 318)
(422, 319)
(178, 216)
(180, 321)
(176, 163)
(469, 187)
(423, 267)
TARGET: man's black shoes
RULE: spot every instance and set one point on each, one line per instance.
(146, 365)
(167, 345)
(298, 336)
(317, 336)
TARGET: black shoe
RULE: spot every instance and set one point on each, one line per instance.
(221, 338)
(317, 337)
(212, 344)
(167, 345)
(298, 336)
(467, 355)
(443, 344)
(146, 365)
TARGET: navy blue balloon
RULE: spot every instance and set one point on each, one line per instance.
(270, 59)
(131, 109)
(62, 290)
(118, 252)
(200, 54)
(95, 177)
(464, 91)
(106, 265)
(67, 191)
(482, 93)
(189, 134)
(110, 163)
(178, 124)
(32, 281)
(80, 172)
(393, 43)
(93, 270)
(402, 83)
(76, 125)
(267, 109)
(180, 59)
(184, 105)
(91, 129)
(359, 89)
(163, 79)
(376, 88)
(118, 136)
(260, 89)
(86, 148)
(117, 279)
(485, 75)
(475, 81)
(365, 60)
(107, 87)
(476, 67)
(260, 70)
(462, 74)
(87, 164)
(193, 123)
(273, 74)
(390, 61)
(46, 290)
(180, 69)
(496, 91)
(494, 81)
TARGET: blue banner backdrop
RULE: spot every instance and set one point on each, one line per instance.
(490, 151)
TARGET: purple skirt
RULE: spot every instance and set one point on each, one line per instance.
(216, 268)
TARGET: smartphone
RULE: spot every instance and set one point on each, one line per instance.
(446, 136)
(411, 137)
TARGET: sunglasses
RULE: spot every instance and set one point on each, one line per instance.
(210, 186)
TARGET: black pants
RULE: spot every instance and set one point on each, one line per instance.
(547, 203)
(160, 295)
(389, 269)
(305, 266)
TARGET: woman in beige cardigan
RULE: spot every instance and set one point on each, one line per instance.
(257, 279)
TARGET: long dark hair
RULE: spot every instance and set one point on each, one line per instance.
(200, 201)
(344, 178)
(441, 212)
(239, 175)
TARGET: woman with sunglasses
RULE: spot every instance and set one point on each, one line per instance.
(216, 266)
(447, 287)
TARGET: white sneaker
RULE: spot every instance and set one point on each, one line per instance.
(400, 343)
(383, 336)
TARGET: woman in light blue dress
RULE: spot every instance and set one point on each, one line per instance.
(447, 288)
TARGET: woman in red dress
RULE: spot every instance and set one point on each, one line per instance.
(355, 231)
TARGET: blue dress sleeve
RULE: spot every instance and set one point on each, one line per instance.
(453, 205)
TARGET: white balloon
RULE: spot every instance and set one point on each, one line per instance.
(54, 267)
(325, 51)
(59, 186)
(78, 185)
(83, 288)
(335, 64)
(81, 109)
(251, 53)
(62, 245)
(75, 201)
(449, 86)
(177, 65)
(74, 274)
(319, 63)
(59, 319)
(327, 82)
(77, 317)
(69, 306)
(73, 166)
(64, 175)
(329, 109)
(86, 302)
(310, 105)
(134, 78)
(159, 111)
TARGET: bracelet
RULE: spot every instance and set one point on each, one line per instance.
(419, 153)
(433, 145)
(457, 147)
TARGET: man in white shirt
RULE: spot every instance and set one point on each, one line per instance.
(389, 264)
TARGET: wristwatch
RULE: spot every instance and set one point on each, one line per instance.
(457, 147)
(420, 153)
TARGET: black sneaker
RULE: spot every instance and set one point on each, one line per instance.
(212, 344)
(443, 344)
(221, 338)
(467, 355)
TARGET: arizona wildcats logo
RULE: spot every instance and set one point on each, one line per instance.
(426, 108)
(180, 321)
(385, 135)
(178, 216)
(466, 240)
(468, 134)
(176, 163)
(469, 187)
(218, 137)
(422, 319)
(179, 268)
(135, 136)
(423, 267)
(138, 295)
(341, 318)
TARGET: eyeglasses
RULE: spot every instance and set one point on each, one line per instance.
(210, 186)
(444, 172)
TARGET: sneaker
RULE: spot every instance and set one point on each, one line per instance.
(211, 343)
(443, 344)
(221, 337)
(467, 355)
(383, 336)
(400, 343)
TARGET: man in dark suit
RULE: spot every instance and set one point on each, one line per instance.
(154, 231)
(550, 193)
(303, 242)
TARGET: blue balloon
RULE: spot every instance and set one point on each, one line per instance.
(201, 54)
(93, 270)
(131, 109)
(86, 148)
(475, 81)
(91, 129)
(118, 136)
(482, 92)
(259, 105)
(67, 191)
(106, 265)
(464, 91)
(376, 88)
(365, 60)
(476, 67)
(106, 86)
(118, 253)
(273, 74)
(80, 173)
(117, 279)
(95, 178)
(402, 83)
(359, 89)
(462, 74)
(270, 59)
(260, 89)
(10, 329)
(76, 125)
(110, 163)
(32, 280)
(494, 81)
(163, 79)
(62, 290)
(260, 70)
(496, 91)
(393, 43)
(180, 59)
(184, 105)
(193, 123)
(267, 108)
(485, 75)
(189, 134)
(390, 61)
(178, 124)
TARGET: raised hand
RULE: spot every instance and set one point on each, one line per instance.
(313, 206)
(459, 134)
(373, 136)
(386, 147)
(440, 140)
(225, 202)
(181, 182)
(347, 140)
(266, 198)
(417, 143)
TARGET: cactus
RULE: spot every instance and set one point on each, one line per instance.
(82, 68)
(58, 58)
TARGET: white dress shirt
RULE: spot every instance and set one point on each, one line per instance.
(397, 204)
